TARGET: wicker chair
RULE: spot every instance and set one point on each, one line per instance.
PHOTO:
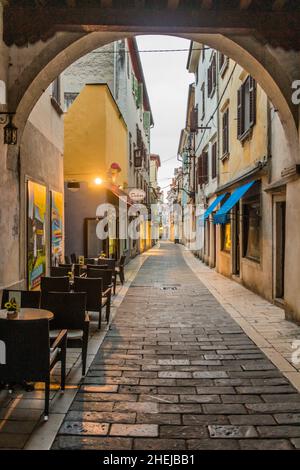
(28, 356)
(69, 311)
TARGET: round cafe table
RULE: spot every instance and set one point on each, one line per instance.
(28, 314)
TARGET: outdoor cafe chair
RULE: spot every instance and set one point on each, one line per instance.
(111, 263)
(78, 270)
(55, 284)
(96, 266)
(66, 265)
(69, 311)
(60, 271)
(96, 298)
(106, 275)
(25, 298)
(73, 258)
(67, 259)
(28, 356)
(120, 269)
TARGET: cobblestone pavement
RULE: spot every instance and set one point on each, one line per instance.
(262, 320)
(176, 371)
(21, 422)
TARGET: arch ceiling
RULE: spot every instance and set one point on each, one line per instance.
(278, 22)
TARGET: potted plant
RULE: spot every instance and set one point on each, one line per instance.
(11, 308)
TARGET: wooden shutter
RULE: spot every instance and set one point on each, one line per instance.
(138, 158)
(147, 120)
(221, 60)
(205, 167)
(214, 72)
(194, 119)
(209, 81)
(240, 113)
(200, 170)
(214, 160)
(140, 95)
(252, 97)
(225, 132)
(138, 137)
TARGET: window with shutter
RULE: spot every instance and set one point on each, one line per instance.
(240, 125)
(147, 121)
(214, 160)
(212, 76)
(203, 99)
(194, 119)
(205, 167)
(209, 83)
(221, 60)
(252, 98)
(246, 110)
(139, 100)
(130, 149)
(225, 132)
(200, 170)
(214, 72)
(138, 158)
(223, 64)
(138, 137)
(56, 90)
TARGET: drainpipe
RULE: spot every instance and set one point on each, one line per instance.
(269, 141)
(115, 69)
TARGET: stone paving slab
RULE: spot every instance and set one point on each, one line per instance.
(176, 371)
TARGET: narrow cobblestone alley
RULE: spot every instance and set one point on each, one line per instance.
(175, 371)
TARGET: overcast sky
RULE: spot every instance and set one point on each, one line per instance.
(167, 83)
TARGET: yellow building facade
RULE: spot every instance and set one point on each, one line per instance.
(244, 243)
(95, 137)
(96, 161)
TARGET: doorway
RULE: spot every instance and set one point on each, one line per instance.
(214, 263)
(236, 258)
(279, 248)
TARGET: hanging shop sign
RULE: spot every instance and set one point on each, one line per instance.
(137, 195)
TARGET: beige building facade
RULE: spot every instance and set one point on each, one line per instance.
(41, 162)
(255, 241)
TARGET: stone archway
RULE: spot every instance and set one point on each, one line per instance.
(29, 71)
(273, 69)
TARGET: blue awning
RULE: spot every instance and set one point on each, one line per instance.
(212, 207)
(221, 217)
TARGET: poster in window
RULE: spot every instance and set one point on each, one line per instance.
(56, 228)
(36, 231)
(227, 237)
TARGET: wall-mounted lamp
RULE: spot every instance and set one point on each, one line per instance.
(10, 130)
(98, 181)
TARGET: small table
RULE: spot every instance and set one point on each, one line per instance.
(28, 314)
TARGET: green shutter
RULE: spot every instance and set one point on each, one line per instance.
(147, 120)
(139, 95)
